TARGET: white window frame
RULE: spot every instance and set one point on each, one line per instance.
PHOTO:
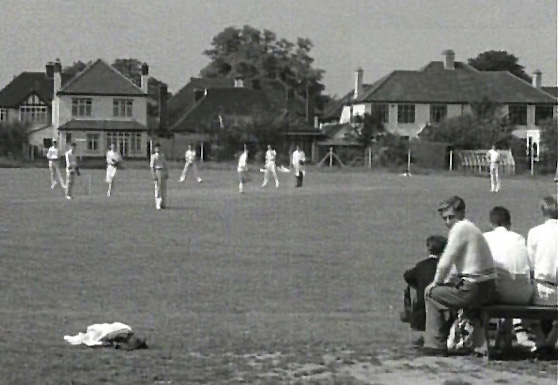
(438, 112)
(123, 108)
(517, 116)
(93, 139)
(383, 110)
(82, 107)
(406, 113)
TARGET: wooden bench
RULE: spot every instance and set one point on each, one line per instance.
(515, 311)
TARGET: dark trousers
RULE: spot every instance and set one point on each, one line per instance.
(442, 300)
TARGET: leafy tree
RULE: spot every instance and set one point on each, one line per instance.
(367, 129)
(481, 128)
(499, 61)
(75, 68)
(549, 144)
(13, 138)
(250, 53)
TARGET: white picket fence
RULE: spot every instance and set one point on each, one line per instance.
(477, 161)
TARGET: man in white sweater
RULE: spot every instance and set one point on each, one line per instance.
(53, 157)
(469, 254)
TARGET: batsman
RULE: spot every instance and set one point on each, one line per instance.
(160, 174)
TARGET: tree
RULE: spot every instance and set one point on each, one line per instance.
(13, 138)
(549, 144)
(250, 53)
(478, 129)
(75, 68)
(499, 61)
(367, 129)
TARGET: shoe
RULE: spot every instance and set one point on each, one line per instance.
(419, 343)
(200, 180)
(433, 352)
(181, 179)
(52, 185)
(68, 197)
(265, 184)
(276, 185)
(523, 340)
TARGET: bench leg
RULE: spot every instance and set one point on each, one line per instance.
(485, 319)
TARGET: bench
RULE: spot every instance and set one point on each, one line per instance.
(515, 311)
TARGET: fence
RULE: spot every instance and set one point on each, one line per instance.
(477, 161)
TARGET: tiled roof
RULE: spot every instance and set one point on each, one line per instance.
(333, 110)
(224, 101)
(26, 84)
(102, 125)
(551, 90)
(100, 78)
(463, 85)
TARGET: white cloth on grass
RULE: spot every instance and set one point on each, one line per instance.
(100, 334)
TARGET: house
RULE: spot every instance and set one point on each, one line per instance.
(97, 107)
(409, 100)
(204, 104)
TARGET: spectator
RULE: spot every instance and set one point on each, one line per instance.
(468, 251)
(542, 246)
(419, 277)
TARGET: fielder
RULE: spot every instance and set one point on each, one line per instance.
(242, 169)
(54, 165)
(113, 160)
(190, 157)
(494, 159)
(270, 156)
(298, 160)
(160, 174)
(72, 170)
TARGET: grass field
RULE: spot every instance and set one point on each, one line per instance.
(276, 286)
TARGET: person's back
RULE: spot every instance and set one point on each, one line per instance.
(542, 245)
(474, 260)
(511, 261)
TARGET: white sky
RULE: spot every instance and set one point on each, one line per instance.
(378, 35)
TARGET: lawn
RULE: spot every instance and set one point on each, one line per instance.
(275, 286)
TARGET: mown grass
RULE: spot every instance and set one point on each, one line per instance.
(219, 276)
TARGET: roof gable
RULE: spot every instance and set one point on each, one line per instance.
(100, 78)
(24, 85)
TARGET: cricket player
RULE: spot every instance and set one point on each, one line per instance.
(494, 159)
(270, 157)
(190, 157)
(298, 160)
(113, 160)
(54, 165)
(72, 169)
(159, 171)
(242, 169)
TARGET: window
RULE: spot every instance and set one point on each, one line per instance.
(92, 142)
(81, 106)
(518, 114)
(382, 110)
(122, 107)
(68, 139)
(3, 115)
(438, 112)
(543, 113)
(127, 143)
(33, 110)
(136, 142)
(405, 113)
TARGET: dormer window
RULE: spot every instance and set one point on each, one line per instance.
(122, 108)
(33, 110)
(81, 107)
(198, 95)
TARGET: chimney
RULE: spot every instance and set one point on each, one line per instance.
(50, 70)
(144, 77)
(537, 78)
(449, 59)
(163, 96)
(358, 82)
(238, 83)
(57, 76)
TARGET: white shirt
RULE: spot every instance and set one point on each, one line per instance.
(542, 246)
(158, 162)
(190, 156)
(242, 161)
(270, 156)
(52, 153)
(298, 156)
(71, 160)
(493, 156)
(509, 251)
(112, 157)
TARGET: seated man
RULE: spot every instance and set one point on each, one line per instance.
(513, 282)
(469, 253)
(542, 246)
(422, 275)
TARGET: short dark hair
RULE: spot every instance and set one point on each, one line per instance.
(500, 216)
(549, 207)
(435, 244)
(73, 144)
(157, 145)
(456, 203)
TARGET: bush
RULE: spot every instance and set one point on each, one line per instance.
(13, 138)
